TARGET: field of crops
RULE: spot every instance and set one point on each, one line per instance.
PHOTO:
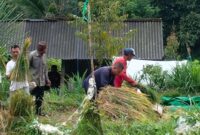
(116, 112)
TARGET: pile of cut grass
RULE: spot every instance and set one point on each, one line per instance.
(125, 103)
(152, 94)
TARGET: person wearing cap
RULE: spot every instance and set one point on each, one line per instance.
(39, 74)
(129, 53)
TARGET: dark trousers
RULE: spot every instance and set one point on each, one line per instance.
(38, 92)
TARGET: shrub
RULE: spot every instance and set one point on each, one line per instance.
(20, 114)
(171, 50)
(21, 104)
(154, 76)
(183, 78)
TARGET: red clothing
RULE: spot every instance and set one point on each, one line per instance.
(119, 79)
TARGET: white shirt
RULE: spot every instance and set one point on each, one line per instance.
(14, 85)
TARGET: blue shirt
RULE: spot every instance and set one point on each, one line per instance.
(103, 77)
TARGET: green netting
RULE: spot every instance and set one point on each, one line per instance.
(181, 101)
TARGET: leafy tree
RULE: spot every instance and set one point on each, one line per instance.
(46, 8)
(171, 11)
(138, 9)
(190, 29)
(171, 50)
(106, 22)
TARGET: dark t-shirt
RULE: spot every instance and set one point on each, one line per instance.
(55, 78)
(103, 77)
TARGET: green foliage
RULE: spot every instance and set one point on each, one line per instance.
(4, 88)
(21, 104)
(184, 78)
(65, 98)
(51, 9)
(75, 82)
(189, 29)
(154, 76)
(139, 9)
(106, 20)
(21, 126)
(52, 61)
(21, 114)
(90, 122)
(139, 128)
(171, 50)
(7, 14)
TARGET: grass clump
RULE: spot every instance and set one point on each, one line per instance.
(21, 104)
(139, 128)
(21, 114)
(125, 103)
(90, 121)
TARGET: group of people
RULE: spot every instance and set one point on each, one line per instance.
(40, 78)
(38, 70)
(113, 75)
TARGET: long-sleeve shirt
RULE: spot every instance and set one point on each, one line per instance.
(38, 68)
(123, 76)
(103, 77)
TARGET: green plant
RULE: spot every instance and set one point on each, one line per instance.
(154, 76)
(4, 88)
(161, 127)
(171, 50)
(185, 78)
(90, 121)
(68, 97)
(75, 83)
(52, 61)
(105, 22)
(21, 104)
(21, 114)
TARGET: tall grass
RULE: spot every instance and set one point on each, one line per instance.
(183, 79)
(4, 89)
(68, 97)
(20, 115)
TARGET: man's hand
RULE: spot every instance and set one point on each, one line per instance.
(134, 84)
(48, 83)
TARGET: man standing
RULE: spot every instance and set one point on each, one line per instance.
(39, 71)
(15, 85)
(129, 53)
(104, 76)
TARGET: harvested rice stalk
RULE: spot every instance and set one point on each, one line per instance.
(125, 103)
(21, 70)
(151, 94)
(21, 104)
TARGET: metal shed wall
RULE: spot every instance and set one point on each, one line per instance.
(64, 44)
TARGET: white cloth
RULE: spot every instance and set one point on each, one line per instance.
(135, 67)
(14, 85)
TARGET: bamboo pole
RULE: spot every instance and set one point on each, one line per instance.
(90, 45)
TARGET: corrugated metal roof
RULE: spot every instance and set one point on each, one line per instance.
(64, 44)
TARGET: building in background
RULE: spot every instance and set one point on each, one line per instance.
(64, 44)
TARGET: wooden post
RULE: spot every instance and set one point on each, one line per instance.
(90, 44)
